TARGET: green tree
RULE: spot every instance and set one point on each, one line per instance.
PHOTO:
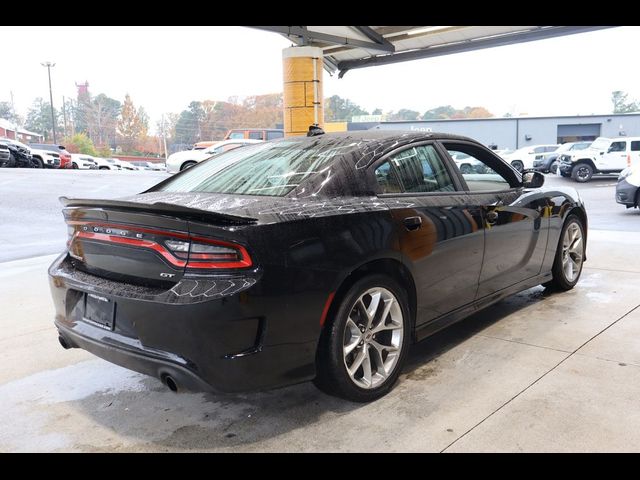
(131, 126)
(338, 109)
(80, 143)
(39, 119)
(620, 103)
(377, 111)
(442, 112)
(404, 114)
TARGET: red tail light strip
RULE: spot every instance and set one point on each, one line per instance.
(103, 237)
(244, 262)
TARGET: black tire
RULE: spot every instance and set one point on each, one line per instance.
(582, 172)
(37, 162)
(103, 168)
(553, 168)
(74, 166)
(559, 280)
(186, 165)
(332, 375)
(518, 165)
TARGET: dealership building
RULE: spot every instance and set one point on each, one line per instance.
(517, 132)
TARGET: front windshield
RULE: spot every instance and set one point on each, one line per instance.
(600, 144)
(565, 146)
(581, 146)
(273, 168)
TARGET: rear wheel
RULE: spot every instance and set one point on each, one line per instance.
(74, 165)
(186, 165)
(362, 350)
(567, 265)
(518, 165)
(582, 172)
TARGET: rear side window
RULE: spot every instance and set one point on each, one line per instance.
(635, 146)
(255, 135)
(415, 170)
(234, 135)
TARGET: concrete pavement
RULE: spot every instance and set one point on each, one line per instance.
(536, 372)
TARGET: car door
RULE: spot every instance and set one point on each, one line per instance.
(615, 158)
(440, 233)
(515, 227)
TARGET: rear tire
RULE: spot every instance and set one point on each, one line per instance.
(569, 259)
(74, 166)
(186, 165)
(582, 172)
(518, 165)
(363, 347)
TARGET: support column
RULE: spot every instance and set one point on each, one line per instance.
(303, 100)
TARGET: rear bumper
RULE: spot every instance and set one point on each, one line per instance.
(626, 193)
(228, 340)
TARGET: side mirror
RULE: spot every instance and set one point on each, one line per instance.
(532, 179)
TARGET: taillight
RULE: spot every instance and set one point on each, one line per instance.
(179, 249)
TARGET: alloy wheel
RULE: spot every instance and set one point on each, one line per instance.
(572, 252)
(373, 337)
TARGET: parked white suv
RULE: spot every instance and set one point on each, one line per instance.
(182, 160)
(605, 156)
(82, 161)
(523, 158)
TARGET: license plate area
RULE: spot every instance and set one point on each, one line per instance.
(99, 311)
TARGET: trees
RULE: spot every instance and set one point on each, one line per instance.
(404, 114)
(620, 103)
(447, 111)
(132, 125)
(338, 109)
(80, 143)
(39, 119)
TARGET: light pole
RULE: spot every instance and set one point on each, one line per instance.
(53, 116)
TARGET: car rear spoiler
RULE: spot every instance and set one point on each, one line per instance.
(160, 208)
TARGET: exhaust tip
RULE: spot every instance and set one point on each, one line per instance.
(63, 342)
(171, 383)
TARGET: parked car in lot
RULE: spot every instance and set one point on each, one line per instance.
(126, 165)
(19, 154)
(318, 258)
(64, 155)
(5, 155)
(45, 158)
(83, 162)
(604, 156)
(628, 187)
(523, 157)
(114, 163)
(142, 165)
(548, 162)
(179, 161)
(254, 133)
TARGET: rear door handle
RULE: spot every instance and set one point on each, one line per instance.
(492, 217)
(412, 223)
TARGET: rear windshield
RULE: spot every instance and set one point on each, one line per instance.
(273, 168)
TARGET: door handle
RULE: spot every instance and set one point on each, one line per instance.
(492, 217)
(412, 223)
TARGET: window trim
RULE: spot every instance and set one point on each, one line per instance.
(445, 160)
(507, 168)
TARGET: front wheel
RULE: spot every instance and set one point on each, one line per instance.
(186, 165)
(582, 172)
(553, 168)
(518, 165)
(363, 348)
(74, 166)
(567, 264)
(37, 162)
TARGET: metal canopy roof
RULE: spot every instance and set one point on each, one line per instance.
(346, 48)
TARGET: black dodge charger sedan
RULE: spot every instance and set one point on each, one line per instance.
(318, 257)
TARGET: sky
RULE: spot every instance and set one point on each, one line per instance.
(165, 68)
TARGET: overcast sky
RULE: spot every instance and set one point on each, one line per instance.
(164, 68)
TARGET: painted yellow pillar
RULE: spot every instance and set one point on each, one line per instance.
(303, 101)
